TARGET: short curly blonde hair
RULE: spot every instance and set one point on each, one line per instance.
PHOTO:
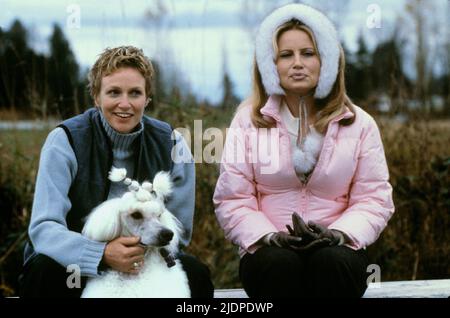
(111, 59)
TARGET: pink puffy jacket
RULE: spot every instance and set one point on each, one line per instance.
(347, 191)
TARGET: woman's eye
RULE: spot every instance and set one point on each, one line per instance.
(136, 93)
(113, 92)
(308, 53)
(282, 55)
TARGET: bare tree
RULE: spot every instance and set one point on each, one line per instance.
(446, 53)
(229, 99)
(425, 53)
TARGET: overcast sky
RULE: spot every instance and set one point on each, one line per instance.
(194, 38)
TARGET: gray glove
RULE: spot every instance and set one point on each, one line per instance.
(336, 237)
(310, 239)
(301, 230)
(283, 239)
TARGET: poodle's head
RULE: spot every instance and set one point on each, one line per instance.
(151, 221)
(139, 212)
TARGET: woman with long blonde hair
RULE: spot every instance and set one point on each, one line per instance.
(313, 189)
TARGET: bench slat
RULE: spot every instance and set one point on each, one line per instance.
(438, 288)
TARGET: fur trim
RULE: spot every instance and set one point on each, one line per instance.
(305, 159)
(326, 39)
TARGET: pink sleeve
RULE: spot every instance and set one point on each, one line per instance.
(370, 200)
(235, 194)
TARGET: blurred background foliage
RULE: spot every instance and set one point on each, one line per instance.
(415, 244)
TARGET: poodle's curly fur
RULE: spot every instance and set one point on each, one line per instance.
(139, 212)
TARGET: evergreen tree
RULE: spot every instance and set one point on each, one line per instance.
(37, 84)
(350, 72)
(14, 51)
(388, 72)
(229, 98)
(363, 70)
(62, 74)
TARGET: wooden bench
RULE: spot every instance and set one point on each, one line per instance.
(439, 288)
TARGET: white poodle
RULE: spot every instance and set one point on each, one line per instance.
(139, 212)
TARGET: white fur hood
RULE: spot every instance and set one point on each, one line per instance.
(327, 44)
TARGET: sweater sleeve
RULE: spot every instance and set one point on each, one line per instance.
(182, 202)
(48, 227)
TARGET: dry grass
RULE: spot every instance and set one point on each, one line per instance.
(19, 153)
(416, 243)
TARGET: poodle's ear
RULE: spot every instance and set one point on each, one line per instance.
(103, 224)
(162, 184)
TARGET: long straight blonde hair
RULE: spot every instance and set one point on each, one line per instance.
(330, 107)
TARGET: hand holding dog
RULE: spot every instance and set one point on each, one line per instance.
(122, 253)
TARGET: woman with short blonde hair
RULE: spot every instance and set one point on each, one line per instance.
(73, 179)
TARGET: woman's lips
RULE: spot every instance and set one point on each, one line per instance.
(123, 115)
(298, 76)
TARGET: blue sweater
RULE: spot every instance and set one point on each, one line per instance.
(57, 169)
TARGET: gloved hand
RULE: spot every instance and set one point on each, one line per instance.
(283, 239)
(301, 230)
(310, 239)
(335, 236)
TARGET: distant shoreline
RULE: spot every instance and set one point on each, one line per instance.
(28, 124)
